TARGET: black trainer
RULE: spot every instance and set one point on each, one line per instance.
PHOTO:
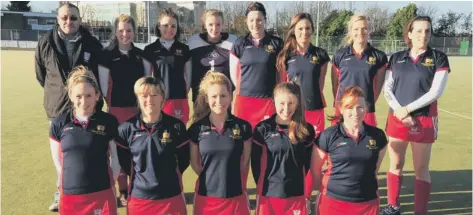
(391, 210)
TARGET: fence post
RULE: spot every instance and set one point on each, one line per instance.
(443, 49)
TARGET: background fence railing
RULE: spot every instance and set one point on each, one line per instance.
(448, 45)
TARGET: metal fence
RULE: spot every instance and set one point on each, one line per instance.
(449, 45)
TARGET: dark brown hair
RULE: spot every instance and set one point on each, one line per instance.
(297, 127)
(170, 13)
(290, 43)
(256, 6)
(409, 27)
(68, 5)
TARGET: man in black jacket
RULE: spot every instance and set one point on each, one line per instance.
(67, 45)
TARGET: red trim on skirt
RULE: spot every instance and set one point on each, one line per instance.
(253, 110)
(102, 202)
(370, 118)
(329, 205)
(281, 206)
(425, 130)
(178, 108)
(238, 205)
(173, 206)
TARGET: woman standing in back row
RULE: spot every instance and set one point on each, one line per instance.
(253, 68)
(172, 64)
(301, 62)
(358, 64)
(121, 66)
(209, 50)
(417, 78)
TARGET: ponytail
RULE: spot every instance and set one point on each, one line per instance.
(80, 74)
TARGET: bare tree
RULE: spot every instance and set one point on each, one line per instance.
(429, 10)
(88, 14)
(379, 19)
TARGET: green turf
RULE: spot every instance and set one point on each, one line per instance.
(28, 177)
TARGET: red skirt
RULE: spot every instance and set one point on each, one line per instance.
(281, 206)
(370, 118)
(173, 206)
(253, 110)
(102, 202)
(317, 119)
(331, 206)
(178, 108)
(425, 130)
(238, 205)
(123, 114)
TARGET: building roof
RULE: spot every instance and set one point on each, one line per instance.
(30, 14)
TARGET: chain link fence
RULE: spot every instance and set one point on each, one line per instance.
(449, 45)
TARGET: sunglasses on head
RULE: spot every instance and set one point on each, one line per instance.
(72, 18)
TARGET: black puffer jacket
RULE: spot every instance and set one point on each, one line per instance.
(53, 68)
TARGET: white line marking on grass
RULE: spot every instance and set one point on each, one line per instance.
(446, 111)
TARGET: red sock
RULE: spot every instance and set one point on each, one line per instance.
(421, 196)
(394, 188)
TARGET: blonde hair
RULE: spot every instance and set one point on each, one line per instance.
(297, 127)
(80, 74)
(145, 84)
(201, 107)
(348, 40)
(210, 12)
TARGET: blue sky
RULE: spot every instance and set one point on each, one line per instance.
(441, 6)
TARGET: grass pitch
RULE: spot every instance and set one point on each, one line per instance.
(28, 175)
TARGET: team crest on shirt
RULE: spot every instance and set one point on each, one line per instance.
(428, 62)
(371, 60)
(178, 52)
(270, 49)
(236, 133)
(372, 144)
(98, 212)
(166, 138)
(315, 60)
(100, 130)
(296, 212)
(178, 114)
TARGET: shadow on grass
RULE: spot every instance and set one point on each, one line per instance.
(451, 192)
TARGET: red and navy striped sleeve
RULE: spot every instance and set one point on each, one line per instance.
(122, 141)
(322, 142)
(257, 149)
(441, 62)
(183, 148)
(55, 129)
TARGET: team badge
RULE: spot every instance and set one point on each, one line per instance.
(414, 130)
(428, 62)
(296, 212)
(372, 144)
(98, 212)
(315, 60)
(178, 114)
(371, 60)
(270, 49)
(178, 52)
(100, 130)
(166, 137)
(236, 133)
(86, 56)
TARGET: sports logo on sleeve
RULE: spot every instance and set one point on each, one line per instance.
(428, 62)
(371, 60)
